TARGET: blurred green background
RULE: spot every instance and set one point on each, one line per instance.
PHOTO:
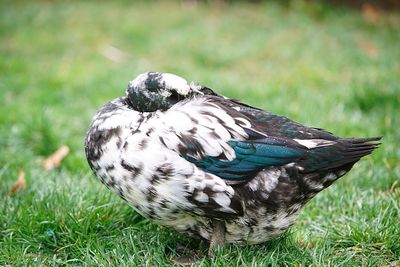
(327, 66)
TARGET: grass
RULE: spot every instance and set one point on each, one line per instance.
(322, 66)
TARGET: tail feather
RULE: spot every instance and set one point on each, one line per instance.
(343, 152)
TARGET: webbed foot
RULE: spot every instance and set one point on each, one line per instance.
(188, 257)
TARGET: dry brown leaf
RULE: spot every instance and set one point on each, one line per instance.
(19, 184)
(371, 13)
(369, 48)
(54, 160)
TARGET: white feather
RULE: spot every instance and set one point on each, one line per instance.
(313, 143)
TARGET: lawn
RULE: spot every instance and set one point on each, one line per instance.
(324, 66)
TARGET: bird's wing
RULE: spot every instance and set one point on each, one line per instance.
(251, 157)
(275, 125)
(223, 141)
(325, 150)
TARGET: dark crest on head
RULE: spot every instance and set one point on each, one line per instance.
(152, 91)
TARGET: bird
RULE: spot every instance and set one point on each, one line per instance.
(209, 166)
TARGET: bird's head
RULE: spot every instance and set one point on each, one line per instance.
(153, 91)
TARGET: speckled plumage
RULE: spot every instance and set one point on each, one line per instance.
(185, 156)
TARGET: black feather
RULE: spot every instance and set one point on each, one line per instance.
(344, 152)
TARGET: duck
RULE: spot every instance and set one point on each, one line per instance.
(209, 166)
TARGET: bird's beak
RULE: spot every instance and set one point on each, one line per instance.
(196, 88)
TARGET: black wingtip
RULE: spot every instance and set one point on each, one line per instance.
(364, 143)
(365, 140)
(345, 152)
(356, 148)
